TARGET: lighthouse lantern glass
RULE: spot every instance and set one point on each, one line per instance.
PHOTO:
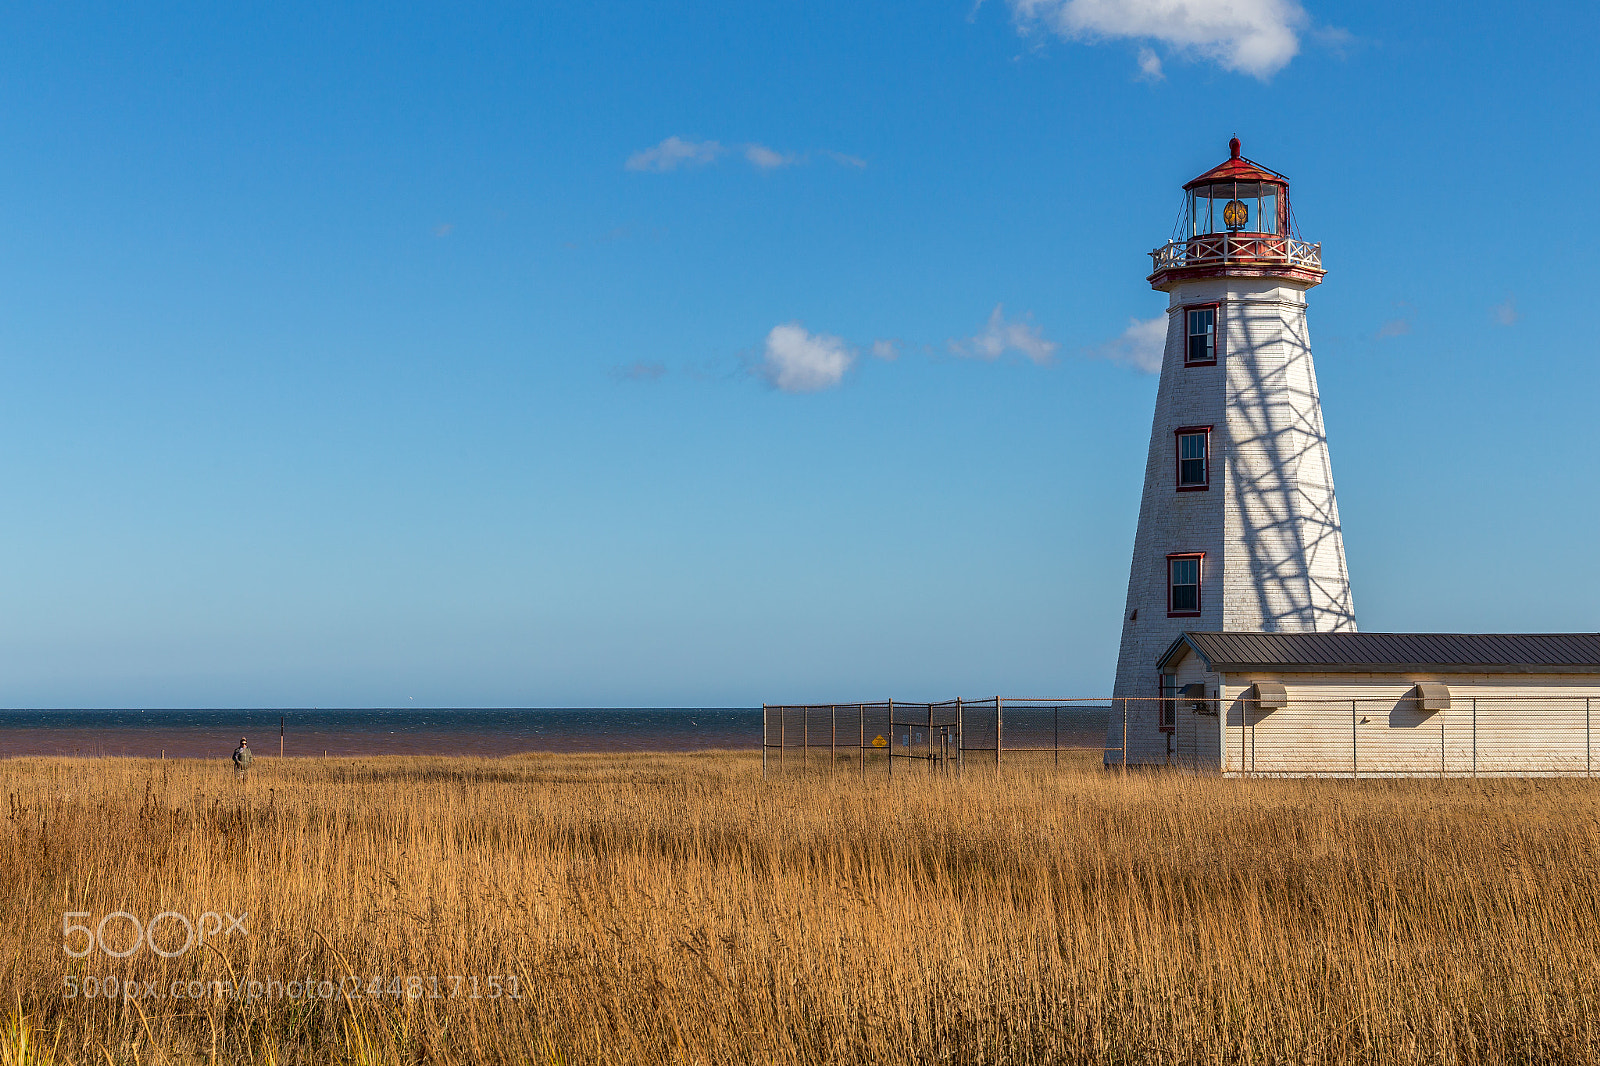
(1217, 208)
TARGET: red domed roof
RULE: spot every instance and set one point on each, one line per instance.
(1237, 168)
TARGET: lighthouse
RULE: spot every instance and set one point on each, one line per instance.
(1238, 526)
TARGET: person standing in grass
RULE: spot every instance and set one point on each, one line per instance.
(241, 758)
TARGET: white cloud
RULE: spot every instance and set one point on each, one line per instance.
(798, 361)
(887, 350)
(1506, 313)
(1150, 65)
(1142, 345)
(1395, 327)
(1256, 37)
(1335, 39)
(764, 158)
(999, 336)
(673, 153)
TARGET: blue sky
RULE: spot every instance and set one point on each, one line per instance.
(536, 354)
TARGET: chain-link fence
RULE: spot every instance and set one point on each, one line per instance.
(896, 736)
(1390, 735)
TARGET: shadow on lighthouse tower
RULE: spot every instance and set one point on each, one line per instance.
(1238, 528)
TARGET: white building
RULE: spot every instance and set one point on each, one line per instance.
(1238, 526)
(1385, 704)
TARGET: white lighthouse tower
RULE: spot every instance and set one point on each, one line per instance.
(1238, 528)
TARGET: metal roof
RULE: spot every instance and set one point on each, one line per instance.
(1237, 168)
(1517, 653)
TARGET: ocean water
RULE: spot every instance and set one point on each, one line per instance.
(403, 731)
(483, 731)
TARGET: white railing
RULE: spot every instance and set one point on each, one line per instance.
(1235, 248)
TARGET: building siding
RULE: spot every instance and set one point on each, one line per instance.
(1369, 725)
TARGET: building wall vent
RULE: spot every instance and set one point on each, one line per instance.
(1432, 696)
(1271, 695)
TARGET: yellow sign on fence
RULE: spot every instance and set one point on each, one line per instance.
(879, 742)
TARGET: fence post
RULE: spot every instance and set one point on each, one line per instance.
(998, 717)
(891, 736)
(1474, 736)
(1244, 723)
(1588, 743)
(833, 741)
(1058, 736)
(1247, 738)
(1124, 734)
(1354, 766)
(861, 716)
(805, 739)
(961, 737)
(783, 740)
(763, 742)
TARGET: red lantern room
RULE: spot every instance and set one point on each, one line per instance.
(1236, 223)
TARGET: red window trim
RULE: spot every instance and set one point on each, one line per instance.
(1216, 337)
(1200, 585)
(1177, 458)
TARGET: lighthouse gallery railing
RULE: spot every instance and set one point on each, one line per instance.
(1237, 247)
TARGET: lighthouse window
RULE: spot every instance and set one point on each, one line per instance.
(1183, 584)
(1194, 458)
(1202, 336)
(1236, 207)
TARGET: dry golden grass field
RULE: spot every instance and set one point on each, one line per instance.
(665, 909)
